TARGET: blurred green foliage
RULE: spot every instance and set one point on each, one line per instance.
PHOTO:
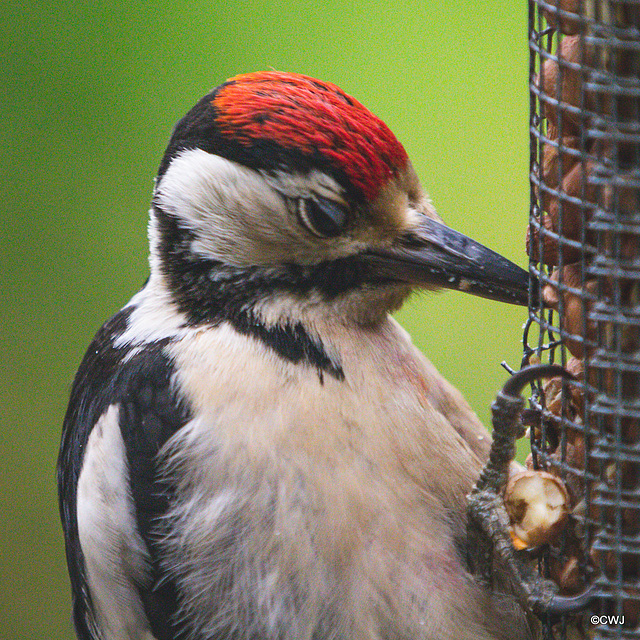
(91, 91)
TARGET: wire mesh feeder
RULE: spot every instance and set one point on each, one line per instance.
(584, 248)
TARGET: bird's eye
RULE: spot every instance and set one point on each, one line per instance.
(321, 216)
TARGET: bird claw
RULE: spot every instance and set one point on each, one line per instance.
(488, 522)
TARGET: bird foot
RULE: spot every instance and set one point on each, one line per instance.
(488, 522)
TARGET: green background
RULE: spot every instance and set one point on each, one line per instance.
(91, 93)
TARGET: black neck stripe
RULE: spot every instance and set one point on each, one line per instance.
(211, 292)
(291, 342)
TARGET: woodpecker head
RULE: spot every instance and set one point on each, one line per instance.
(278, 191)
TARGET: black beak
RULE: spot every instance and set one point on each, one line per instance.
(433, 255)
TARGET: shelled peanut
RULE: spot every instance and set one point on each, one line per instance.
(570, 294)
(556, 17)
(564, 188)
(564, 459)
(537, 504)
(571, 93)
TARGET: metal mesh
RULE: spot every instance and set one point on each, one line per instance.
(584, 248)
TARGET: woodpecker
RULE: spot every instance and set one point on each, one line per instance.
(254, 449)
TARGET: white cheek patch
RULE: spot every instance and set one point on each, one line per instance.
(232, 210)
(153, 313)
(154, 317)
(244, 217)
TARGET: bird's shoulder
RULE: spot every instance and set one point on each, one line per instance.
(136, 377)
(122, 410)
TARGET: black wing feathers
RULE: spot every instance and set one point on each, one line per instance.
(149, 415)
(91, 394)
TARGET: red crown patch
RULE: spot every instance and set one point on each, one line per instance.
(298, 112)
